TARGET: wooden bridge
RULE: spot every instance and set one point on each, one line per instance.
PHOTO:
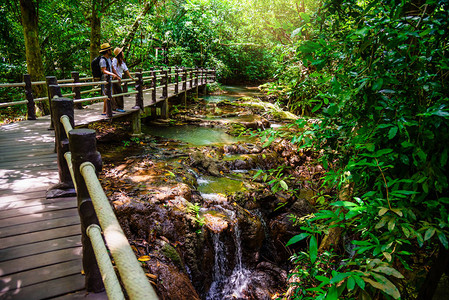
(40, 237)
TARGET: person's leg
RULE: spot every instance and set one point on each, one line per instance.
(119, 99)
(116, 90)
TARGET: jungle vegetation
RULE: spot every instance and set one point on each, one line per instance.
(373, 76)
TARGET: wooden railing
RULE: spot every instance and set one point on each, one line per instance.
(156, 78)
(79, 163)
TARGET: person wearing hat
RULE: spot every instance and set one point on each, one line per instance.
(107, 69)
(119, 65)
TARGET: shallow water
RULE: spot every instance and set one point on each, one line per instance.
(191, 134)
(222, 185)
(233, 93)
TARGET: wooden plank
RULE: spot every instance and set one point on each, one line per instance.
(29, 162)
(43, 274)
(83, 295)
(39, 260)
(38, 217)
(47, 289)
(40, 247)
(19, 154)
(39, 236)
(30, 194)
(39, 226)
(7, 208)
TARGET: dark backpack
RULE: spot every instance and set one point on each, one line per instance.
(95, 66)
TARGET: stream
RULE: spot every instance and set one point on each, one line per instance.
(185, 196)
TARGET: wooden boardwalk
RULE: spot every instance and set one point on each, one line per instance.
(40, 239)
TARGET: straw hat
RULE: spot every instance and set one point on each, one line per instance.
(105, 47)
(117, 51)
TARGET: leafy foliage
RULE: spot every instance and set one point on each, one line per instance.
(377, 74)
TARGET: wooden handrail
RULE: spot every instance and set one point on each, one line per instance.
(82, 162)
(168, 77)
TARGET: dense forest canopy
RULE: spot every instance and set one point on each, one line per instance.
(372, 74)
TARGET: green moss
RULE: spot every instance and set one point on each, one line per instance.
(171, 253)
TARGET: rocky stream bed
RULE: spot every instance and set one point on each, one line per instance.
(186, 197)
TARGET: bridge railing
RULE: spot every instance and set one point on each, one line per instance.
(79, 163)
(158, 79)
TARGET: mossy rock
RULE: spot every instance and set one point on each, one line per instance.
(170, 252)
(236, 129)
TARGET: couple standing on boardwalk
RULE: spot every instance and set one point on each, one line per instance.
(114, 68)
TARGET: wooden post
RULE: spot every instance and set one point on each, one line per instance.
(76, 89)
(201, 76)
(191, 78)
(139, 89)
(31, 106)
(164, 109)
(136, 123)
(83, 148)
(165, 89)
(196, 76)
(65, 187)
(163, 79)
(176, 81)
(203, 82)
(169, 75)
(108, 93)
(153, 85)
(51, 80)
(184, 80)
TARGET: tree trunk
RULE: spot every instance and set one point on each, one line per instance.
(433, 277)
(132, 32)
(95, 30)
(35, 66)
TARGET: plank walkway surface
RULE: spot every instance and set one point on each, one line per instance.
(40, 239)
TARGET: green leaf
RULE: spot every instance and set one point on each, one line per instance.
(344, 203)
(382, 222)
(351, 283)
(283, 185)
(323, 279)
(297, 238)
(443, 239)
(295, 32)
(382, 211)
(387, 255)
(378, 84)
(305, 17)
(370, 147)
(313, 249)
(391, 224)
(429, 233)
(443, 158)
(317, 107)
(406, 231)
(332, 294)
(385, 285)
(359, 281)
(392, 133)
(397, 211)
(389, 271)
(339, 277)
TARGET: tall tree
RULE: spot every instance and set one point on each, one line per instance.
(95, 28)
(131, 33)
(29, 18)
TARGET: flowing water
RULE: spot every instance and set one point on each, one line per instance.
(193, 135)
(230, 278)
(228, 287)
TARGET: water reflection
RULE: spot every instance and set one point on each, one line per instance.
(194, 135)
(233, 93)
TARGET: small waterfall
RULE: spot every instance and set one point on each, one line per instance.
(233, 286)
(219, 268)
